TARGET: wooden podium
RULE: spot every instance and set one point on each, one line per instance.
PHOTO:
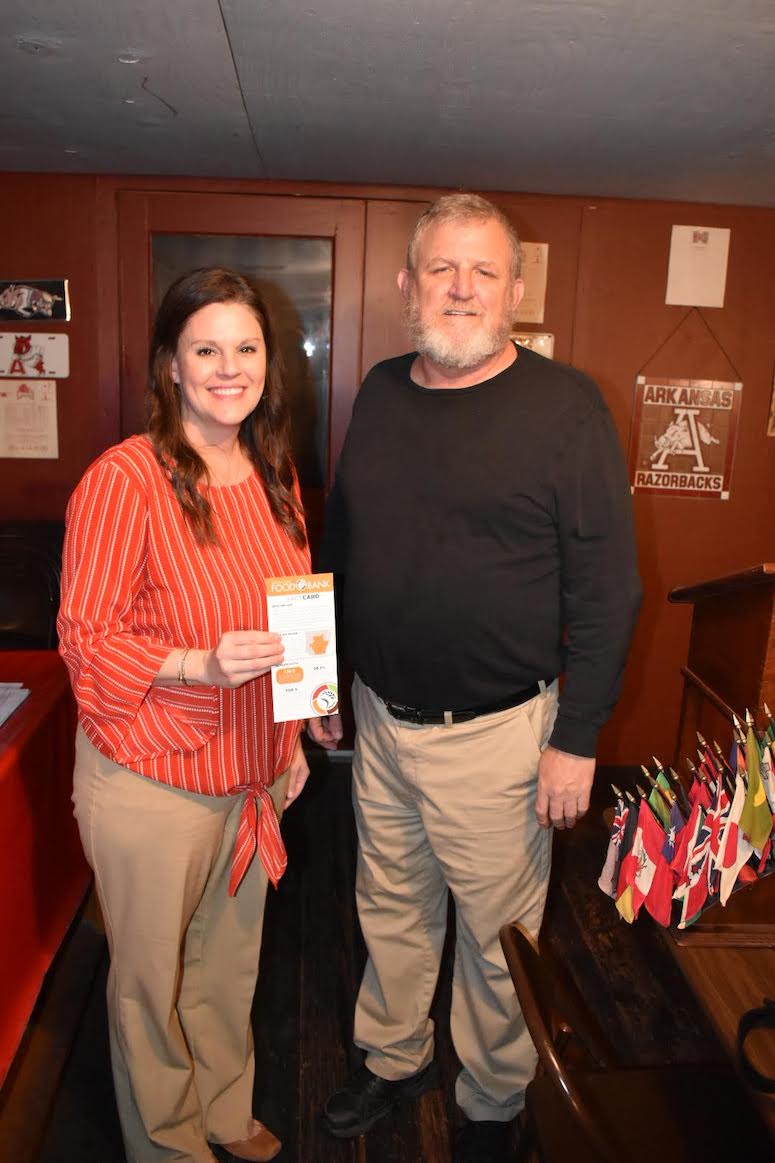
(731, 664)
(730, 668)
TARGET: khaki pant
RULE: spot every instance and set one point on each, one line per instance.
(183, 956)
(438, 808)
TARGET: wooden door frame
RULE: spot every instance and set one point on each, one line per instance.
(142, 213)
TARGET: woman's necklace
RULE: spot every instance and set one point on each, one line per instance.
(227, 468)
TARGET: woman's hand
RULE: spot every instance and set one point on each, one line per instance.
(239, 656)
(299, 770)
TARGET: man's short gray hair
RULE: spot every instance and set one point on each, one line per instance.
(464, 208)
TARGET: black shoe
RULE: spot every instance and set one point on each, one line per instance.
(365, 1099)
(484, 1142)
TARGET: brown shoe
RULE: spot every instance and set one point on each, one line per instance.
(261, 1146)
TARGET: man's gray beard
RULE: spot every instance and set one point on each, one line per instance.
(451, 351)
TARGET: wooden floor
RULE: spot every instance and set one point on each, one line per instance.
(311, 966)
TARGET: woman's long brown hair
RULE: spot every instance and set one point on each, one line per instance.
(264, 434)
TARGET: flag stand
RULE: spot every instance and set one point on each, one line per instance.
(747, 919)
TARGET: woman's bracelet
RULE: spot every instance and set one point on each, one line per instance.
(182, 666)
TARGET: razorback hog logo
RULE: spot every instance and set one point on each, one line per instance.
(28, 301)
(26, 358)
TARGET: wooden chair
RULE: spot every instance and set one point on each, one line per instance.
(585, 1106)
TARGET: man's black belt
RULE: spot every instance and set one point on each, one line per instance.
(435, 718)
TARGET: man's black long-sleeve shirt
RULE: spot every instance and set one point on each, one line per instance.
(485, 537)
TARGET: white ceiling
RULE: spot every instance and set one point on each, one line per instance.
(646, 98)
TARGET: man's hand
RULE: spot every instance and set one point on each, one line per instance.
(299, 769)
(327, 731)
(564, 784)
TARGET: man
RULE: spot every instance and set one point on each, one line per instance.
(481, 521)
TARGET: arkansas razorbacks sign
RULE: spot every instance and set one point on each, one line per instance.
(683, 437)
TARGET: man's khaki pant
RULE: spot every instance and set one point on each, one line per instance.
(437, 808)
(183, 956)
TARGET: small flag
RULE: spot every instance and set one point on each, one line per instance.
(647, 850)
(756, 817)
(672, 836)
(699, 792)
(660, 803)
(767, 774)
(680, 862)
(737, 757)
(716, 819)
(734, 848)
(695, 889)
(627, 867)
(678, 788)
(769, 734)
(660, 896)
(607, 878)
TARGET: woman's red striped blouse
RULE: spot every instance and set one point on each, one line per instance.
(135, 585)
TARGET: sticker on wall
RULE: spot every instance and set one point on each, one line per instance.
(535, 263)
(28, 419)
(34, 299)
(683, 437)
(697, 271)
(34, 355)
(540, 341)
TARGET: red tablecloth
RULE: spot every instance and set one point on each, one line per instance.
(43, 873)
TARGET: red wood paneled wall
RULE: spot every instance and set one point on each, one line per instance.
(49, 231)
(605, 305)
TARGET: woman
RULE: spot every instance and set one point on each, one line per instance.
(180, 775)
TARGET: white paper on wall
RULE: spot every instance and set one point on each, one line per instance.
(697, 271)
(28, 419)
(535, 265)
